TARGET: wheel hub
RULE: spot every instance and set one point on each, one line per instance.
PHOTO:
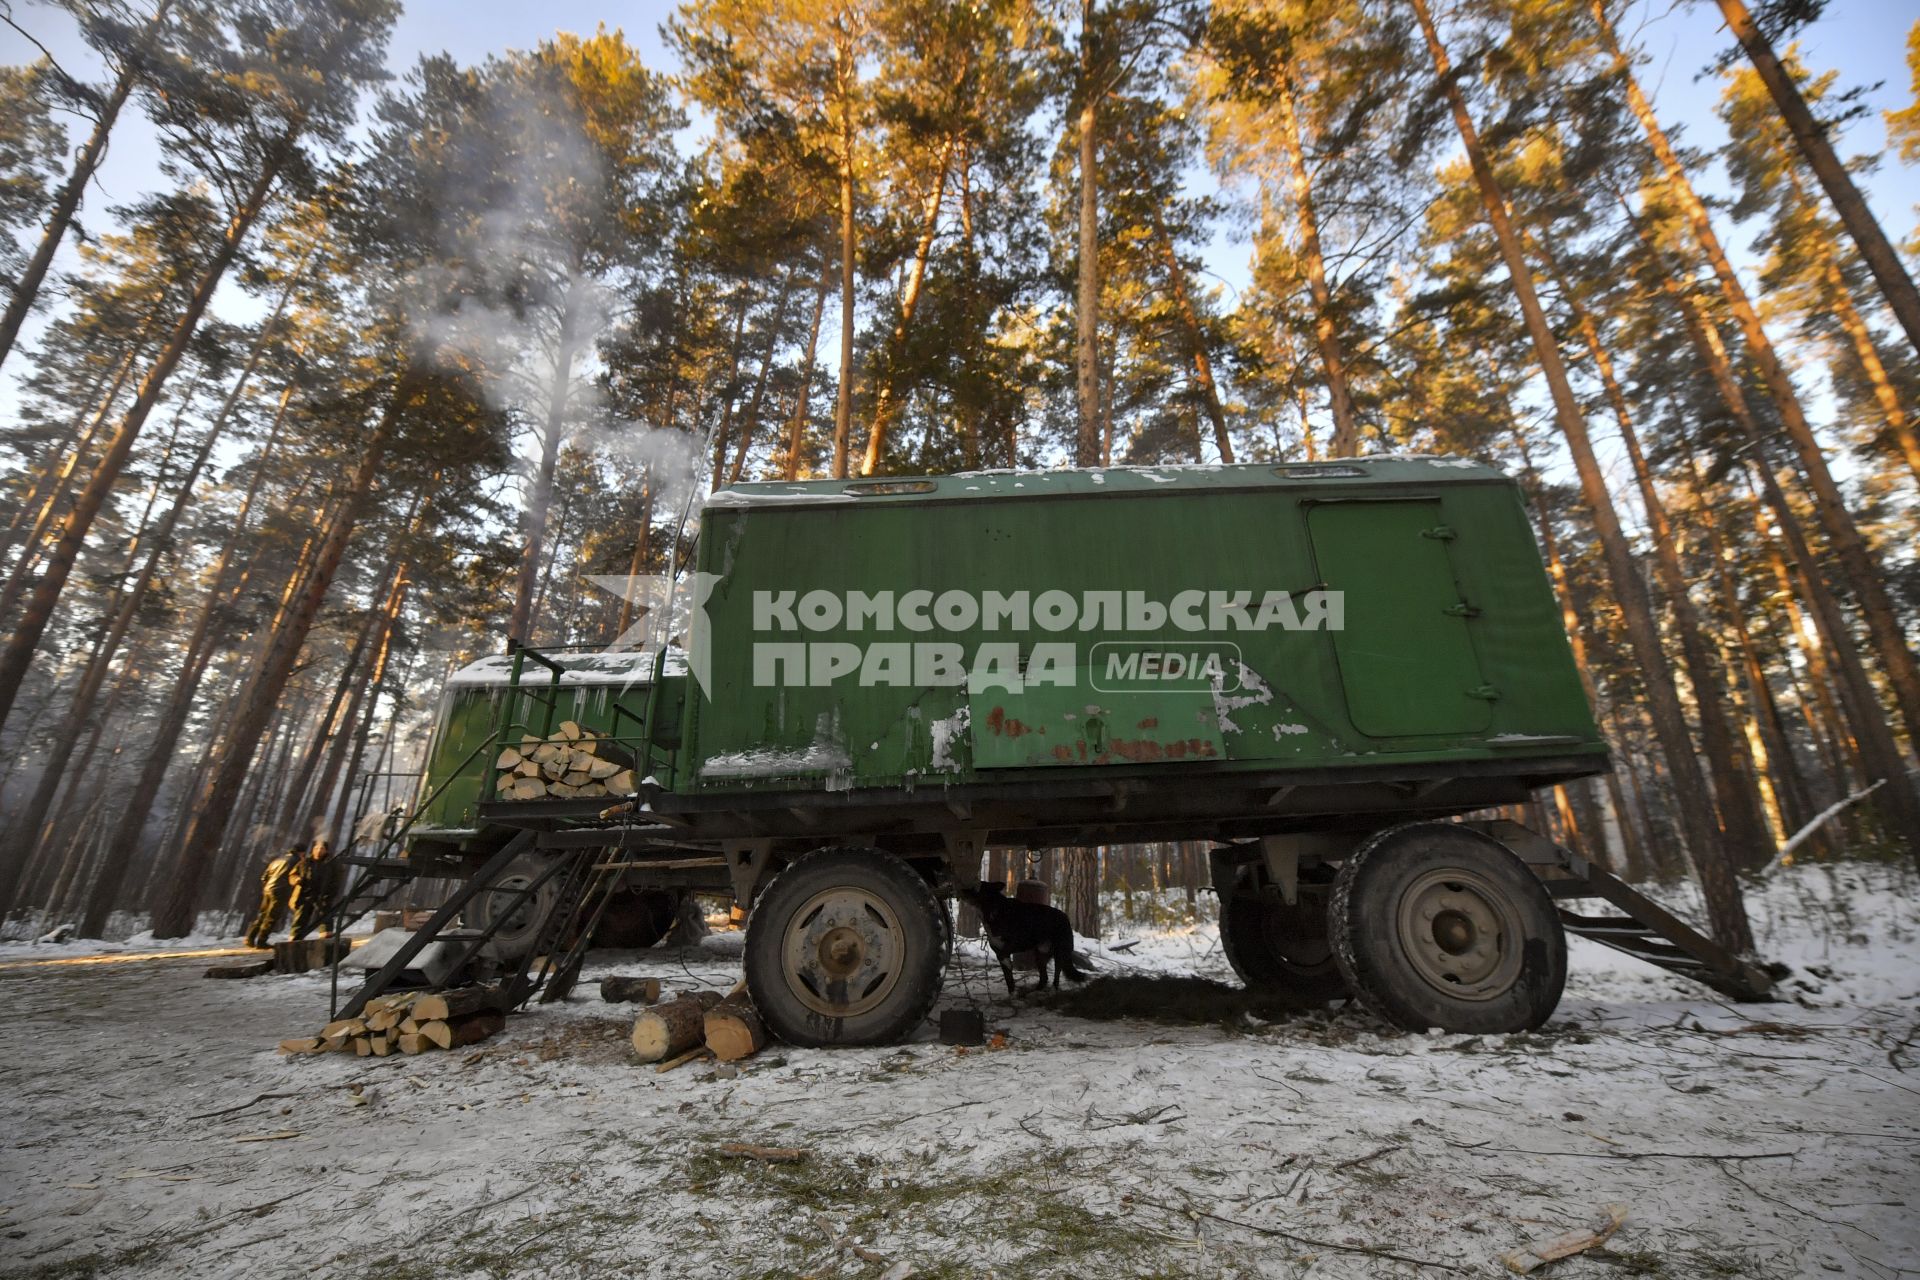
(843, 952)
(1462, 934)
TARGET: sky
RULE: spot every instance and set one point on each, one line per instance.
(1864, 39)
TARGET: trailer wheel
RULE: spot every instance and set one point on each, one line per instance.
(845, 947)
(1436, 925)
(1279, 950)
(519, 925)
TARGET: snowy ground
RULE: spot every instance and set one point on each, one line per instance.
(151, 1130)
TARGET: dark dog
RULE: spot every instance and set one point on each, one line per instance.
(1013, 926)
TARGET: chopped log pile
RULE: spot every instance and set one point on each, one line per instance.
(408, 1023)
(699, 1024)
(571, 762)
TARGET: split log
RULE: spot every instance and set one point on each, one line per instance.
(345, 1026)
(439, 1032)
(380, 1044)
(621, 783)
(412, 1042)
(601, 770)
(622, 990)
(569, 731)
(667, 1030)
(301, 1044)
(734, 1031)
(528, 789)
(527, 769)
(441, 1006)
(362, 1046)
(509, 758)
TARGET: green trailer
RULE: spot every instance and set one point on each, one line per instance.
(1335, 673)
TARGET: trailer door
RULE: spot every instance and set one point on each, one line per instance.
(1406, 652)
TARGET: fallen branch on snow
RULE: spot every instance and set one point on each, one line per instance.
(766, 1155)
(1629, 1155)
(1535, 1256)
(1305, 1240)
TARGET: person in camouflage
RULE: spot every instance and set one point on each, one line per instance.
(316, 882)
(276, 886)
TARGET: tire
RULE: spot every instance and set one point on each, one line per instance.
(1281, 951)
(846, 947)
(1437, 925)
(518, 933)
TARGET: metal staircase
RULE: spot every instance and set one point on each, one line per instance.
(1644, 929)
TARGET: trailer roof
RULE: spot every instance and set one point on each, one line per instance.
(594, 667)
(1395, 469)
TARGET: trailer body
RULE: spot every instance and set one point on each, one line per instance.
(1331, 672)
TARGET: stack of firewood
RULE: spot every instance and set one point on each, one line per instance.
(408, 1023)
(570, 762)
(699, 1024)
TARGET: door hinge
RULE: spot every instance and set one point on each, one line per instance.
(1485, 691)
(1440, 533)
(1462, 610)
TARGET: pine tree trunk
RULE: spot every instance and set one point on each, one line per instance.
(67, 202)
(353, 729)
(1715, 862)
(1196, 341)
(1880, 754)
(1861, 574)
(62, 458)
(1739, 819)
(1326, 336)
(1811, 137)
(751, 418)
(1884, 394)
(1087, 451)
(47, 498)
(18, 655)
(797, 424)
(104, 892)
(1779, 766)
(845, 69)
(540, 494)
(883, 397)
(213, 807)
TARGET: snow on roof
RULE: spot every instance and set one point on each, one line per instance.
(1391, 468)
(626, 667)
